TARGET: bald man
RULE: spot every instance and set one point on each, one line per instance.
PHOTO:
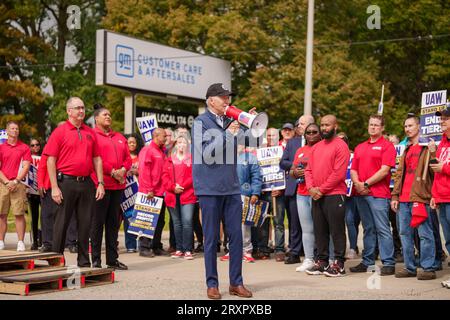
(290, 197)
(325, 181)
(151, 164)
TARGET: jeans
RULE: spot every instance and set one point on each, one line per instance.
(182, 216)
(247, 245)
(444, 218)
(306, 222)
(278, 222)
(130, 239)
(427, 245)
(374, 213)
(352, 220)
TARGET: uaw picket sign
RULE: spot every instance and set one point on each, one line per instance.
(145, 215)
(430, 127)
(129, 196)
(146, 126)
(254, 214)
(273, 177)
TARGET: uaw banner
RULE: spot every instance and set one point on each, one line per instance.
(429, 123)
(273, 177)
(348, 178)
(399, 148)
(31, 179)
(129, 196)
(3, 136)
(146, 126)
(145, 215)
(254, 214)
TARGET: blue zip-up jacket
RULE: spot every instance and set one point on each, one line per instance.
(214, 169)
(249, 174)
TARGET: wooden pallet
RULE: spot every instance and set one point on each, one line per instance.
(54, 280)
(28, 260)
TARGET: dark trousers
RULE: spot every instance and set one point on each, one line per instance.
(214, 208)
(106, 216)
(395, 235)
(35, 201)
(48, 211)
(130, 239)
(196, 224)
(146, 244)
(295, 230)
(329, 218)
(79, 199)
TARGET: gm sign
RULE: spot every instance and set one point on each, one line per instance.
(124, 61)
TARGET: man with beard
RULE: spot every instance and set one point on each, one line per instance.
(325, 182)
(371, 176)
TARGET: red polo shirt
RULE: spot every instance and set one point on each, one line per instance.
(11, 156)
(73, 149)
(114, 151)
(368, 159)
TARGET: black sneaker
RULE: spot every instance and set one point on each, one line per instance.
(292, 259)
(45, 249)
(387, 271)
(146, 253)
(34, 246)
(199, 248)
(359, 268)
(318, 268)
(335, 270)
(118, 266)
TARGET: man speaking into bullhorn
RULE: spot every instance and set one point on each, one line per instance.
(216, 184)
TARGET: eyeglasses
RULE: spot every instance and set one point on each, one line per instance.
(78, 108)
(35, 145)
(312, 132)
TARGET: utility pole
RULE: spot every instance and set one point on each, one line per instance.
(309, 60)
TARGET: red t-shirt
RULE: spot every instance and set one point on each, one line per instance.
(368, 159)
(302, 156)
(411, 163)
(73, 149)
(11, 156)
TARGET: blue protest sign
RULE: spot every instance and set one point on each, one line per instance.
(129, 194)
(273, 177)
(145, 216)
(254, 214)
(146, 126)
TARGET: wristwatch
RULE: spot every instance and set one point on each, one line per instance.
(366, 185)
(102, 183)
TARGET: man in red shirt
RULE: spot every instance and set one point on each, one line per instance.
(151, 165)
(325, 182)
(13, 154)
(73, 154)
(371, 174)
(411, 192)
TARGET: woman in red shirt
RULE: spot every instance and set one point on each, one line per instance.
(301, 158)
(179, 197)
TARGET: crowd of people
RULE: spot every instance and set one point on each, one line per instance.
(82, 171)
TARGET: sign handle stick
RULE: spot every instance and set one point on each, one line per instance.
(274, 205)
(427, 162)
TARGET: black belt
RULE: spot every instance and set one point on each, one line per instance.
(76, 178)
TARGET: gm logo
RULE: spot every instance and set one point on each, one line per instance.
(124, 61)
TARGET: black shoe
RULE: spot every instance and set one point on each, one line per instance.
(160, 252)
(147, 253)
(34, 246)
(45, 249)
(359, 268)
(292, 259)
(96, 264)
(118, 266)
(318, 268)
(387, 271)
(199, 248)
(335, 270)
(73, 249)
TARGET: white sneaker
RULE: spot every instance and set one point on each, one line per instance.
(351, 254)
(20, 246)
(307, 263)
(2, 245)
(446, 284)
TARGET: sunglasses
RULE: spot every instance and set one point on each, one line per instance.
(35, 145)
(312, 132)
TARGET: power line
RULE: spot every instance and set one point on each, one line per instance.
(340, 44)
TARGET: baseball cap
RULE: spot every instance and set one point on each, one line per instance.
(445, 112)
(217, 90)
(287, 126)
